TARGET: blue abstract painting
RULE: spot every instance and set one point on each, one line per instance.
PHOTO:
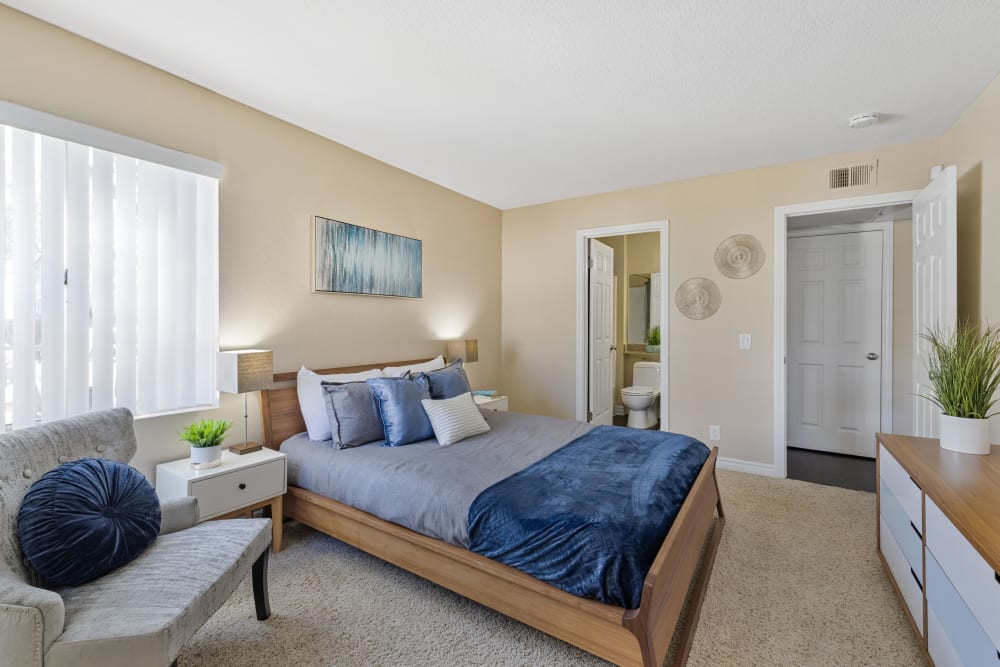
(358, 260)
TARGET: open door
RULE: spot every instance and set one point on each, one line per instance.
(602, 331)
(935, 283)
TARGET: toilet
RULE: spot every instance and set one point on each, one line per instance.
(643, 398)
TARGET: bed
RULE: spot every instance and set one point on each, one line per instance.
(669, 595)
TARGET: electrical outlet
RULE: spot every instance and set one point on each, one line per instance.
(714, 433)
(744, 341)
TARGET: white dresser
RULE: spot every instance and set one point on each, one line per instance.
(939, 539)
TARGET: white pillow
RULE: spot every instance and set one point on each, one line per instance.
(311, 400)
(454, 419)
(398, 371)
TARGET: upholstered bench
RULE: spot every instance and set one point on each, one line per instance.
(142, 613)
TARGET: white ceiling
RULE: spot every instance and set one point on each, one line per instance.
(515, 102)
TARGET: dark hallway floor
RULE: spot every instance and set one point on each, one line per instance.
(849, 472)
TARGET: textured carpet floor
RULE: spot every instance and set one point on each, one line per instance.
(796, 582)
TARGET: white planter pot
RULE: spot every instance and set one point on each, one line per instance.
(969, 436)
(206, 457)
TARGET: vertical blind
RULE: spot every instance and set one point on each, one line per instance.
(109, 286)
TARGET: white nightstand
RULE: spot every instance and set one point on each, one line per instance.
(236, 488)
(494, 403)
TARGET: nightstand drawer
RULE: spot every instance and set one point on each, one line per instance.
(232, 490)
(494, 403)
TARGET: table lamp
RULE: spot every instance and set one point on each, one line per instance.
(242, 371)
(464, 350)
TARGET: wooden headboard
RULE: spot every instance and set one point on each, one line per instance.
(279, 408)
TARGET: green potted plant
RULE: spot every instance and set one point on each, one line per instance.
(206, 439)
(653, 340)
(964, 372)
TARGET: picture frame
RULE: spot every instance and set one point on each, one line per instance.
(351, 259)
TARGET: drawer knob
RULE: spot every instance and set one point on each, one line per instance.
(242, 486)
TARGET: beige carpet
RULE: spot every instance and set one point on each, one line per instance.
(796, 582)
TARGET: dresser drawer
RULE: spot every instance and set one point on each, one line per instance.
(907, 533)
(903, 487)
(229, 491)
(938, 644)
(962, 632)
(905, 577)
(970, 574)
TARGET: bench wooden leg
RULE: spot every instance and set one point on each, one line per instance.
(259, 575)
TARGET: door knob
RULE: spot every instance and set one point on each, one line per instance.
(872, 356)
(613, 348)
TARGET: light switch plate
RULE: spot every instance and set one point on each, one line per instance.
(744, 341)
(714, 433)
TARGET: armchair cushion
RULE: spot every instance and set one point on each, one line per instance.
(86, 518)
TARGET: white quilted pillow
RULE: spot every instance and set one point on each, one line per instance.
(454, 419)
(399, 371)
(312, 403)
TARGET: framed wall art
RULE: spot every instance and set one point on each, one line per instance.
(350, 259)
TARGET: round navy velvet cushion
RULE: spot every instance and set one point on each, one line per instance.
(86, 518)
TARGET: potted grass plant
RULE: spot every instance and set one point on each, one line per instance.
(964, 372)
(653, 340)
(205, 438)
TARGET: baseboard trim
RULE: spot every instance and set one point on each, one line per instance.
(752, 467)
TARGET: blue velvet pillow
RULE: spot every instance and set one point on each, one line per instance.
(353, 412)
(401, 410)
(86, 518)
(448, 382)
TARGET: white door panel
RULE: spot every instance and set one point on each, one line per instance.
(602, 331)
(935, 283)
(834, 325)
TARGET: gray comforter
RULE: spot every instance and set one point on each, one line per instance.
(425, 487)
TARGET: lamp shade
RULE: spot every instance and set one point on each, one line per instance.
(466, 350)
(240, 371)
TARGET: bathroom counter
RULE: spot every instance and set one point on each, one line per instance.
(648, 356)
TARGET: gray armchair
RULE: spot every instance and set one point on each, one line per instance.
(142, 613)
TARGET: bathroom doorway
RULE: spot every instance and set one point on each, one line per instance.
(629, 325)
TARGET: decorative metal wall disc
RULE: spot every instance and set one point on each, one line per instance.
(698, 298)
(739, 256)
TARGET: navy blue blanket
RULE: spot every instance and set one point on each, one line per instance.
(590, 517)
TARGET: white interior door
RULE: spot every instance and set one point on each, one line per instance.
(602, 332)
(935, 283)
(835, 342)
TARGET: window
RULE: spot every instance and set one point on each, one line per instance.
(109, 285)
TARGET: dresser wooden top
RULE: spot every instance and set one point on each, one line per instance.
(966, 487)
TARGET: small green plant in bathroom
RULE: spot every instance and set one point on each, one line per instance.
(653, 340)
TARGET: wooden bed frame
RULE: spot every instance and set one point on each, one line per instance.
(627, 637)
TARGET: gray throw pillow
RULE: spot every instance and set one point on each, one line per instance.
(353, 412)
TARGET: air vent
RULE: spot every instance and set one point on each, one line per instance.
(855, 176)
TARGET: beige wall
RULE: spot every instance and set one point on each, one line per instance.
(973, 144)
(643, 252)
(276, 177)
(711, 381)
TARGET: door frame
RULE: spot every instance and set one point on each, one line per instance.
(583, 237)
(885, 358)
(780, 250)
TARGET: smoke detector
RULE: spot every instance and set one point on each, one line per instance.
(862, 120)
